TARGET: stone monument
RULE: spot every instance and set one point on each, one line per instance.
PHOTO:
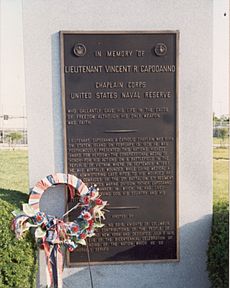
(122, 98)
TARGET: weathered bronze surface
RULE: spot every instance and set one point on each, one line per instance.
(120, 119)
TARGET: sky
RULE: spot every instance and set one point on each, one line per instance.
(221, 57)
(12, 82)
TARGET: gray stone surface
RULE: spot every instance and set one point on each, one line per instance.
(42, 20)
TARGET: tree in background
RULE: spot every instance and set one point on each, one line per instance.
(215, 119)
(13, 138)
(223, 132)
(221, 128)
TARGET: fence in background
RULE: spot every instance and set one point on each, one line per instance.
(13, 130)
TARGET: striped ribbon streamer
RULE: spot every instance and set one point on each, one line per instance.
(54, 232)
(54, 265)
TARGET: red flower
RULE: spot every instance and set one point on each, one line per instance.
(75, 229)
(87, 215)
(98, 201)
(86, 200)
(90, 225)
(90, 222)
(83, 236)
(39, 218)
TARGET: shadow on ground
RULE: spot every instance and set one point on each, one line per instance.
(13, 197)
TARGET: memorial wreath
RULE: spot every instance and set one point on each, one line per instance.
(52, 232)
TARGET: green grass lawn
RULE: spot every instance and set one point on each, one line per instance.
(220, 174)
(14, 170)
(18, 264)
(220, 180)
(218, 248)
(14, 175)
(14, 185)
(219, 141)
(220, 153)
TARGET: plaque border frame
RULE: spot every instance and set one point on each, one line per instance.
(124, 32)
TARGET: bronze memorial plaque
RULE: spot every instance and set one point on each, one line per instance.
(121, 126)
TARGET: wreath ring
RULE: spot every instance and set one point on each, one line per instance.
(54, 230)
(51, 231)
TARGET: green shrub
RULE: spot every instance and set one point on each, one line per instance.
(218, 252)
(17, 257)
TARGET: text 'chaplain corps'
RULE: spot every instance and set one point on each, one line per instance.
(120, 69)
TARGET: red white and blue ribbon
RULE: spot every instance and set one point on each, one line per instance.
(52, 232)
